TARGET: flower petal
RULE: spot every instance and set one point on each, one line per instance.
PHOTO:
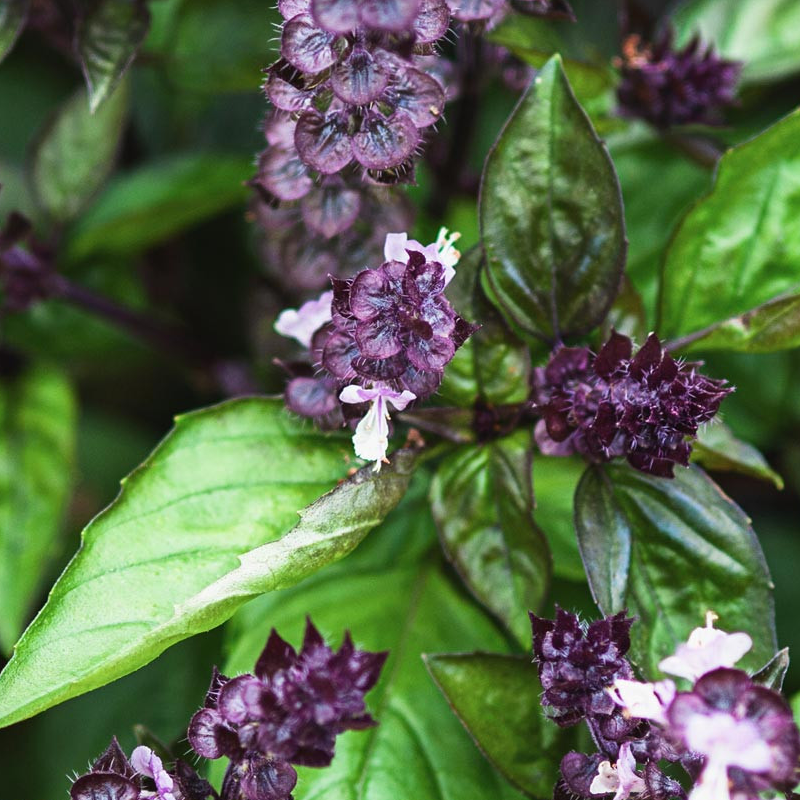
(306, 46)
(384, 143)
(360, 78)
(323, 142)
(336, 16)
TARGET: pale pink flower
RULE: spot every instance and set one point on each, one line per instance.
(371, 439)
(707, 649)
(302, 323)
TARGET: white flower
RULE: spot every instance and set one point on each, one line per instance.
(725, 742)
(644, 700)
(707, 649)
(371, 439)
(441, 251)
(620, 778)
(304, 322)
(147, 763)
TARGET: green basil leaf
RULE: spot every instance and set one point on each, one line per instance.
(497, 699)
(738, 248)
(775, 325)
(764, 35)
(76, 153)
(717, 448)
(774, 671)
(554, 481)
(12, 20)
(493, 365)
(482, 501)
(208, 522)
(418, 750)
(37, 451)
(108, 41)
(658, 186)
(668, 551)
(139, 209)
(551, 214)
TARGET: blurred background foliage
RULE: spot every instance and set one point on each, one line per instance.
(159, 223)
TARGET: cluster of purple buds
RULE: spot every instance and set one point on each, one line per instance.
(645, 407)
(378, 341)
(114, 777)
(668, 87)
(287, 713)
(734, 737)
(577, 664)
(348, 84)
(337, 224)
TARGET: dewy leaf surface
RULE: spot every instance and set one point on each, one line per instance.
(419, 749)
(497, 698)
(739, 247)
(765, 34)
(76, 153)
(37, 449)
(551, 214)
(206, 523)
(482, 501)
(668, 551)
(108, 42)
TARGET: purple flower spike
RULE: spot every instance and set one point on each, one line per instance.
(577, 663)
(668, 87)
(289, 712)
(646, 408)
(393, 326)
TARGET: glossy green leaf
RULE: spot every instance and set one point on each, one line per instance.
(774, 671)
(668, 551)
(12, 20)
(770, 327)
(206, 523)
(717, 448)
(551, 214)
(658, 186)
(419, 750)
(764, 35)
(76, 153)
(554, 482)
(108, 42)
(492, 364)
(142, 208)
(482, 501)
(37, 448)
(738, 248)
(498, 700)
